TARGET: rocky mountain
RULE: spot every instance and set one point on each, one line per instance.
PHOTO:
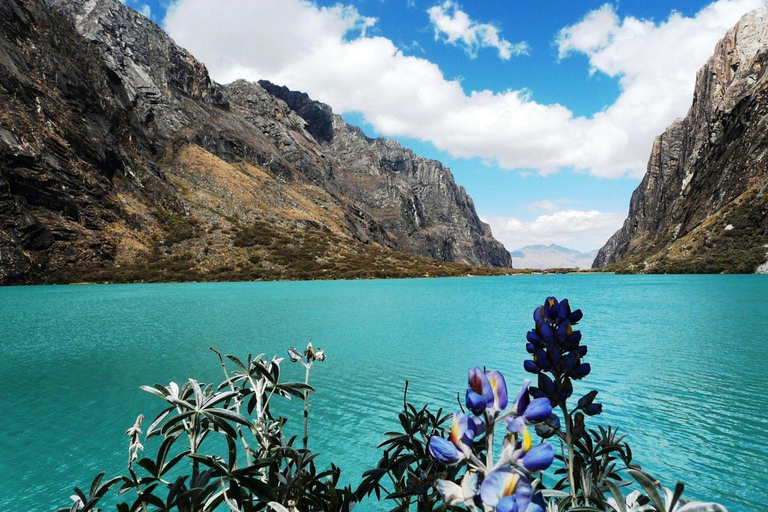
(120, 159)
(703, 203)
(551, 256)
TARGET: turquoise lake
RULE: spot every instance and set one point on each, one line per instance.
(681, 364)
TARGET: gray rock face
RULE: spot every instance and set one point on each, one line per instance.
(708, 165)
(415, 199)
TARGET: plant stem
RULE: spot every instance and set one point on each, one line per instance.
(490, 423)
(238, 403)
(569, 442)
(306, 405)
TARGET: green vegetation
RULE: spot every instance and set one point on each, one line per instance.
(736, 242)
(264, 251)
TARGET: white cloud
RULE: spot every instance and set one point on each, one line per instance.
(575, 229)
(454, 26)
(547, 205)
(327, 52)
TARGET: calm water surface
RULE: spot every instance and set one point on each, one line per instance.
(681, 363)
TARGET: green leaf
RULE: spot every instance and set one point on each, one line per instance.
(237, 362)
(171, 463)
(220, 397)
(649, 487)
(679, 487)
(149, 465)
(617, 495)
(230, 415)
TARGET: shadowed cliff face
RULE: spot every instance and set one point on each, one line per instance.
(118, 152)
(703, 203)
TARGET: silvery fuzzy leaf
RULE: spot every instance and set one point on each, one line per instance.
(452, 494)
(294, 354)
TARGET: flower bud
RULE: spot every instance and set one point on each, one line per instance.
(582, 371)
(546, 384)
(593, 409)
(587, 399)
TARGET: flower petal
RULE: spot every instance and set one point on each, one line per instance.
(523, 493)
(538, 410)
(444, 450)
(499, 484)
(537, 503)
(544, 331)
(538, 458)
(550, 308)
(546, 384)
(470, 485)
(587, 399)
(508, 504)
(475, 402)
(478, 382)
(499, 387)
(575, 316)
(522, 400)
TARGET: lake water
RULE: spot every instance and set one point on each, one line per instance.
(681, 363)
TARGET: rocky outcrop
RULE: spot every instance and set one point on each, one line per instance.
(415, 199)
(117, 151)
(703, 203)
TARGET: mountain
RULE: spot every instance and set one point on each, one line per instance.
(703, 203)
(121, 160)
(551, 256)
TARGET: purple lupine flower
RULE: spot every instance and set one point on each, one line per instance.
(464, 429)
(506, 490)
(486, 391)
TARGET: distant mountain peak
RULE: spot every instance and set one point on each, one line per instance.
(543, 256)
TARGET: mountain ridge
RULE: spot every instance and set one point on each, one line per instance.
(120, 159)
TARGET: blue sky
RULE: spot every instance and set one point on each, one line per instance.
(544, 111)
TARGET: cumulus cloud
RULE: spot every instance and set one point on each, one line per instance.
(575, 229)
(330, 53)
(454, 26)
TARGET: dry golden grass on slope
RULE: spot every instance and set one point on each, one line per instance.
(241, 224)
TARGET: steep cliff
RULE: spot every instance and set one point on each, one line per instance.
(703, 203)
(415, 199)
(121, 160)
